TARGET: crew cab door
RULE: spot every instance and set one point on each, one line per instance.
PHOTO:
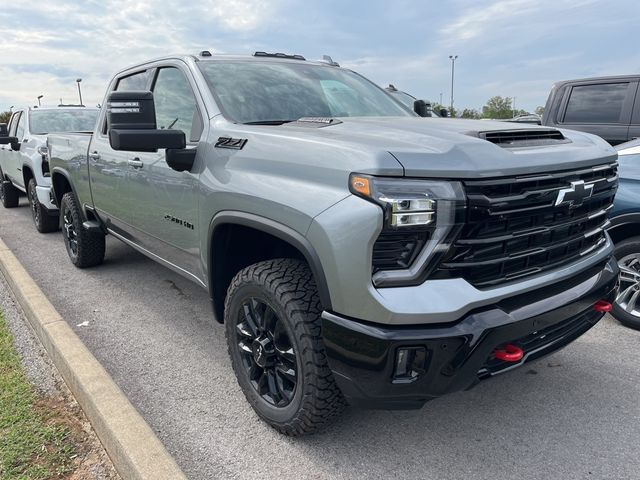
(110, 170)
(603, 108)
(12, 159)
(164, 201)
(634, 128)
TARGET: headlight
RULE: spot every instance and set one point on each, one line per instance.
(421, 219)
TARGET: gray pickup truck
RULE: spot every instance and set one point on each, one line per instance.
(24, 158)
(356, 252)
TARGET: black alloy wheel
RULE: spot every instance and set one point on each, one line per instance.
(267, 352)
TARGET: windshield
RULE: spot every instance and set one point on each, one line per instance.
(61, 121)
(265, 92)
(405, 98)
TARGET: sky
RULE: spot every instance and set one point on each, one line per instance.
(514, 48)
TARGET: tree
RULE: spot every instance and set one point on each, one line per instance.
(540, 110)
(4, 117)
(471, 113)
(498, 107)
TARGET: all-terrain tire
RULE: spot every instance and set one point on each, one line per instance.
(287, 287)
(628, 249)
(44, 221)
(9, 195)
(85, 247)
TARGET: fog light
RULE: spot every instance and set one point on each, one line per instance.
(410, 364)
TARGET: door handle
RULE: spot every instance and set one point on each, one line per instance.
(135, 163)
(94, 156)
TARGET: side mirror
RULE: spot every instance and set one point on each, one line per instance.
(4, 131)
(131, 122)
(444, 112)
(422, 108)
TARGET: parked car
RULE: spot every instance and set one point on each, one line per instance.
(410, 102)
(24, 163)
(625, 232)
(605, 106)
(528, 118)
(354, 251)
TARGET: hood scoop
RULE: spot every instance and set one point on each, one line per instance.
(523, 138)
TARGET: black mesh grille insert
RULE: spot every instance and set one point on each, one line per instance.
(514, 229)
(396, 249)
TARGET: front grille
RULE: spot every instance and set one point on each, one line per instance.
(396, 249)
(514, 229)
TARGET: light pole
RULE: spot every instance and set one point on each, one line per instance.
(514, 107)
(39, 97)
(440, 98)
(79, 91)
(453, 66)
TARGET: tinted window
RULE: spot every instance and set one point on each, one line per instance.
(21, 127)
(137, 81)
(176, 106)
(596, 103)
(60, 121)
(13, 123)
(274, 91)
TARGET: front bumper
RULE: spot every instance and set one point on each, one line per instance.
(46, 198)
(363, 355)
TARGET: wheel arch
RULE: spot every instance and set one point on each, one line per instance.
(27, 174)
(624, 226)
(280, 237)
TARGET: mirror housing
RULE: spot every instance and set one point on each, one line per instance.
(131, 123)
(181, 160)
(444, 112)
(420, 107)
(4, 131)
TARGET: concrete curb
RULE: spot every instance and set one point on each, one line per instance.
(133, 447)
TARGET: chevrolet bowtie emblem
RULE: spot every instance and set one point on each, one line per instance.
(574, 195)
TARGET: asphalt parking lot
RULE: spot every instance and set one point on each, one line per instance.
(575, 414)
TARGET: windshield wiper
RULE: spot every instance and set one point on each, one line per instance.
(269, 122)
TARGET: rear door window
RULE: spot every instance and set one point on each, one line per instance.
(600, 103)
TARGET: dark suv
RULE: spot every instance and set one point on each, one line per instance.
(625, 232)
(605, 106)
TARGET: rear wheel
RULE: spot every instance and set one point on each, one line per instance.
(85, 247)
(626, 308)
(45, 222)
(272, 316)
(9, 195)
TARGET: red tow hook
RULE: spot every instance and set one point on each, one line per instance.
(509, 353)
(602, 306)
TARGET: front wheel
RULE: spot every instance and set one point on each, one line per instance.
(9, 195)
(626, 308)
(85, 247)
(272, 317)
(44, 222)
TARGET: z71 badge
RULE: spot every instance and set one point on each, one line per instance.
(233, 143)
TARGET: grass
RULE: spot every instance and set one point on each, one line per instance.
(34, 442)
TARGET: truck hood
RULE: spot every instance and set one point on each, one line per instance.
(452, 148)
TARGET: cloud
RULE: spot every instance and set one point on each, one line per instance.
(47, 45)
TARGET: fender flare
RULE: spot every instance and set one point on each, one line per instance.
(60, 171)
(624, 219)
(277, 230)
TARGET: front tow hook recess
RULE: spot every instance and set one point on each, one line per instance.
(509, 353)
(602, 306)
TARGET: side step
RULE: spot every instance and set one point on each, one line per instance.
(92, 226)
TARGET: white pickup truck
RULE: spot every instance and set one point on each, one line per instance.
(24, 165)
